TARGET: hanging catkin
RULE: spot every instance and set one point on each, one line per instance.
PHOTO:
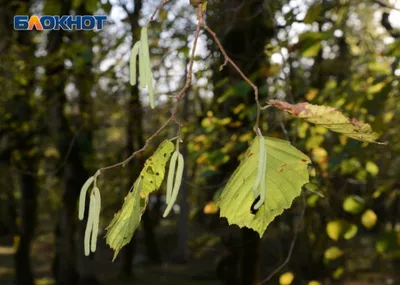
(82, 197)
(89, 225)
(132, 63)
(177, 171)
(96, 219)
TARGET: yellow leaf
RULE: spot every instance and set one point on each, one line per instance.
(320, 155)
(239, 108)
(202, 159)
(313, 282)
(211, 208)
(311, 94)
(338, 273)
(333, 253)
(286, 278)
(372, 168)
(369, 219)
(337, 229)
(353, 204)
(153, 171)
(329, 118)
(246, 137)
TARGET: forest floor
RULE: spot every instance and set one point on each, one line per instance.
(200, 270)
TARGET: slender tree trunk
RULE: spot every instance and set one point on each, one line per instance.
(27, 162)
(250, 257)
(84, 80)
(244, 37)
(134, 107)
(28, 213)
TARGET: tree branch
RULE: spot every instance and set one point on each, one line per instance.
(178, 97)
(229, 60)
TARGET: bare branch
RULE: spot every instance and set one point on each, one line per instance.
(178, 97)
(228, 59)
(159, 7)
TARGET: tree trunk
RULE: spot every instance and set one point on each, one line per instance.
(250, 257)
(27, 163)
(28, 213)
(244, 35)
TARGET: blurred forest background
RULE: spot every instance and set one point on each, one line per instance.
(67, 109)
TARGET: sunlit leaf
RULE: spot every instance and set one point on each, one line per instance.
(329, 118)
(286, 174)
(337, 229)
(353, 204)
(351, 232)
(338, 273)
(310, 43)
(333, 253)
(210, 208)
(126, 221)
(286, 278)
(153, 171)
(313, 282)
(369, 219)
(372, 168)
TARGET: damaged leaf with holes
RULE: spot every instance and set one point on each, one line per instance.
(122, 227)
(153, 172)
(286, 173)
(329, 118)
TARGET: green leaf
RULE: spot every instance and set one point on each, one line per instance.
(337, 229)
(351, 232)
(333, 253)
(369, 219)
(126, 221)
(388, 242)
(372, 168)
(286, 278)
(353, 204)
(329, 118)
(313, 13)
(310, 43)
(286, 174)
(153, 171)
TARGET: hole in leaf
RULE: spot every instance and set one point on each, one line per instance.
(157, 173)
(252, 210)
(149, 170)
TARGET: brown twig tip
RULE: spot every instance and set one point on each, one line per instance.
(294, 109)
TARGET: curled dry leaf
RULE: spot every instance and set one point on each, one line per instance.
(329, 118)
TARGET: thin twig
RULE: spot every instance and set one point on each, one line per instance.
(159, 7)
(178, 97)
(228, 59)
(60, 166)
(292, 245)
(384, 5)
